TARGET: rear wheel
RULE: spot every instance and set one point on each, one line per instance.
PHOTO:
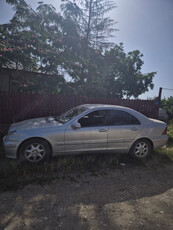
(141, 149)
(34, 150)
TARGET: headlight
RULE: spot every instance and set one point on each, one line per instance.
(9, 135)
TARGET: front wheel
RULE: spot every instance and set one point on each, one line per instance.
(141, 149)
(34, 150)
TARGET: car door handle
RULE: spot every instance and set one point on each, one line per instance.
(134, 129)
(103, 130)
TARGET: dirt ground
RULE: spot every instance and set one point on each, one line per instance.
(123, 198)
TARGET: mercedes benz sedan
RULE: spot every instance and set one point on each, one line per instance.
(85, 128)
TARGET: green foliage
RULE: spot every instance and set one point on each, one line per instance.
(71, 48)
(167, 104)
(124, 77)
(90, 16)
(166, 153)
(170, 134)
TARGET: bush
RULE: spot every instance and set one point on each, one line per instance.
(167, 104)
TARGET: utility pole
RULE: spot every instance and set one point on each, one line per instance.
(158, 101)
(160, 95)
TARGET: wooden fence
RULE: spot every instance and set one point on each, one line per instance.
(15, 107)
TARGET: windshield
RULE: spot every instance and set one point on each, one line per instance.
(70, 114)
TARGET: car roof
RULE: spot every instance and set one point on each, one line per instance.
(101, 106)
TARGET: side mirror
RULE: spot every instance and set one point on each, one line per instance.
(76, 125)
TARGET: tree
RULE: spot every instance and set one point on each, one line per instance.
(29, 35)
(123, 76)
(90, 15)
(113, 73)
(37, 41)
(70, 47)
(90, 22)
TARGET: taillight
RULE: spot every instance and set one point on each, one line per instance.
(165, 131)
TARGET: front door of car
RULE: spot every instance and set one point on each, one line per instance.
(91, 136)
(123, 129)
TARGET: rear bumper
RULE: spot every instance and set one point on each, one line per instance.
(160, 142)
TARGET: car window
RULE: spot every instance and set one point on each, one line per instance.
(118, 117)
(96, 118)
(70, 114)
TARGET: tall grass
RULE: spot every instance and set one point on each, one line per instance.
(62, 163)
(166, 153)
(170, 134)
(14, 175)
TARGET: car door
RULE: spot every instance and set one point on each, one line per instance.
(123, 128)
(91, 136)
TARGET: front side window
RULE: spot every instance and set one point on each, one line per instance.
(70, 114)
(118, 117)
(96, 118)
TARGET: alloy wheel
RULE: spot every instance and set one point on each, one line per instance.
(141, 150)
(35, 152)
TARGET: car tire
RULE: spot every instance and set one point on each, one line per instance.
(34, 150)
(141, 149)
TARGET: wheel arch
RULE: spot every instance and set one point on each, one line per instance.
(32, 138)
(143, 138)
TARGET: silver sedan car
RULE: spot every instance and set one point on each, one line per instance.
(85, 128)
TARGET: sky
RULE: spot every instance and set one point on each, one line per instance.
(146, 25)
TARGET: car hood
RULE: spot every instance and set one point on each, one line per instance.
(34, 123)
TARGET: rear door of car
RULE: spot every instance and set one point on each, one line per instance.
(92, 136)
(123, 128)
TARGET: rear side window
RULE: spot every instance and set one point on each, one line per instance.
(118, 117)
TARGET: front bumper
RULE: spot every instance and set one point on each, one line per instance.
(10, 148)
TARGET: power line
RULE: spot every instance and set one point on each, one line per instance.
(167, 89)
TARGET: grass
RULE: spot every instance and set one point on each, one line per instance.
(170, 134)
(63, 164)
(165, 154)
(14, 175)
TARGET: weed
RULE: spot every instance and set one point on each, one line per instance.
(170, 134)
(165, 154)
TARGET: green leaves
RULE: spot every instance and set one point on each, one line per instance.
(167, 104)
(90, 17)
(124, 77)
(71, 51)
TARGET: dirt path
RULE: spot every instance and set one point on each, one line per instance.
(124, 198)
